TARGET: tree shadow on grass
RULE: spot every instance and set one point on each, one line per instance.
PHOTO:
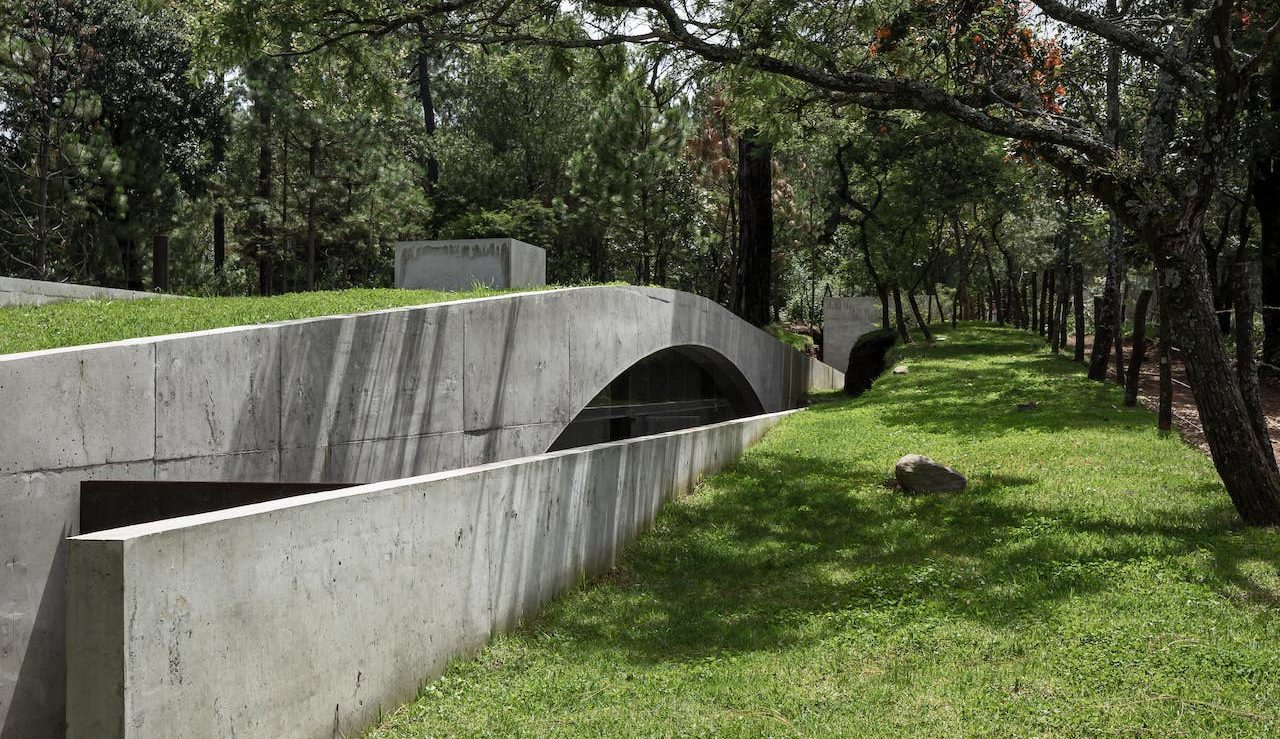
(759, 565)
(789, 544)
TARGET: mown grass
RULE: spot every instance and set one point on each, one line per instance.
(27, 328)
(1093, 580)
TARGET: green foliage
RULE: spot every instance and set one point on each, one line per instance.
(799, 342)
(1092, 581)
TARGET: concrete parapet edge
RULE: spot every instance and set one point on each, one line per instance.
(304, 617)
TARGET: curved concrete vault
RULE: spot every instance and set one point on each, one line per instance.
(360, 398)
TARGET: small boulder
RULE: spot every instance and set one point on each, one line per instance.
(919, 474)
(900, 369)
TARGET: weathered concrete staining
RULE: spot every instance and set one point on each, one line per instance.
(460, 264)
(843, 321)
(300, 618)
(17, 291)
(376, 396)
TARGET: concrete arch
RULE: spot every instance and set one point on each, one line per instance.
(361, 398)
(674, 388)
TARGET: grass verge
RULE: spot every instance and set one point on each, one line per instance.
(28, 328)
(1093, 580)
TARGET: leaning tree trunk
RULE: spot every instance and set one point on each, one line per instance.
(1244, 458)
(915, 309)
(1139, 352)
(755, 237)
(903, 332)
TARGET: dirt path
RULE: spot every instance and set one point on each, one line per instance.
(1185, 416)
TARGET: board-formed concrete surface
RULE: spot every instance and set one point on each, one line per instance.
(17, 291)
(843, 321)
(361, 398)
(461, 264)
(305, 617)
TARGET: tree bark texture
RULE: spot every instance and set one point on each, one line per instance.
(755, 240)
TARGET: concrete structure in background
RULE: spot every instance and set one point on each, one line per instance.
(461, 264)
(16, 291)
(307, 617)
(843, 321)
(361, 398)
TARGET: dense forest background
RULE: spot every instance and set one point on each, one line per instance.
(1040, 163)
(130, 126)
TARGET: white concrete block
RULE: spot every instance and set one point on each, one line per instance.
(461, 264)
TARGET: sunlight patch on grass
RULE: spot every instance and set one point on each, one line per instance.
(1093, 580)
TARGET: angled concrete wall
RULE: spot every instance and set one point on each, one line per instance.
(17, 291)
(843, 321)
(301, 618)
(375, 396)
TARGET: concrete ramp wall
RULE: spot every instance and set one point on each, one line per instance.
(362, 398)
(17, 291)
(301, 618)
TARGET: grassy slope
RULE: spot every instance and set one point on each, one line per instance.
(1092, 580)
(90, 322)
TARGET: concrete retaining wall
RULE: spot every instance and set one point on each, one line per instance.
(16, 291)
(843, 321)
(376, 396)
(301, 618)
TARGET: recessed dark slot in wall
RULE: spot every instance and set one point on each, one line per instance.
(673, 389)
(109, 504)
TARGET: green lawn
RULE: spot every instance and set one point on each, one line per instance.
(1093, 580)
(90, 322)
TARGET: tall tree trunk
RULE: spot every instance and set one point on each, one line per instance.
(1105, 329)
(1164, 404)
(427, 102)
(915, 309)
(132, 263)
(755, 245)
(1244, 460)
(219, 161)
(1266, 197)
(1246, 351)
(1050, 295)
(903, 332)
(1058, 309)
(1078, 283)
(313, 154)
(995, 288)
(1139, 352)
(262, 223)
(1034, 302)
(1119, 342)
(160, 262)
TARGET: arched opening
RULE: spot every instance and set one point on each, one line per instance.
(672, 389)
